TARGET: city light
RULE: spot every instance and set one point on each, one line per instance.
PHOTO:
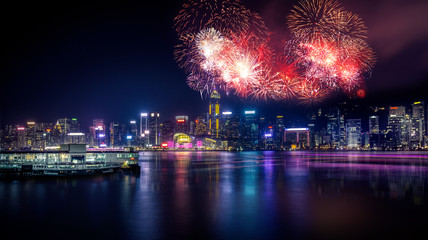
(268, 134)
(133, 122)
(227, 113)
(296, 129)
(75, 134)
(52, 147)
(181, 120)
(146, 132)
(20, 128)
(144, 114)
(31, 123)
(129, 137)
(250, 112)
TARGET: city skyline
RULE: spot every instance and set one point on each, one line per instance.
(337, 127)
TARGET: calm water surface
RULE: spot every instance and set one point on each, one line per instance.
(222, 195)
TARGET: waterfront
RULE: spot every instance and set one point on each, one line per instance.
(227, 195)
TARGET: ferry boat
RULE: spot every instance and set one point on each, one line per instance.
(69, 159)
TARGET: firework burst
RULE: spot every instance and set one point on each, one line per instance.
(224, 46)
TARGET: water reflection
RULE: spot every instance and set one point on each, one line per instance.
(226, 195)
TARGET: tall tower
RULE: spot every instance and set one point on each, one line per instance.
(154, 129)
(214, 114)
(418, 125)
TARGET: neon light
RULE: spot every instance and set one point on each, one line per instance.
(250, 112)
(52, 147)
(181, 120)
(76, 134)
(417, 103)
(103, 145)
(20, 128)
(270, 127)
(101, 135)
(296, 129)
(129, 137)
(164, 145)
(227, 113)
(393, 108)
(268, 135)
(143, 114)
(31, 123)
(74, 119)
(132, 122)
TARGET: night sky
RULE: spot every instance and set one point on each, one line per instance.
(115, 60)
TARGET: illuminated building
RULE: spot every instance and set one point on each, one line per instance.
(31, 135)
(353, 133)
(268, 140)
(250, 131)
(374, 132)
(21, 137)
(296, 138)
(97, 133)
(214, 115)
(166, 131)
(182, 140)
(418, 129)
(116, 131)
(75, 138)
(333, 127)
(398, 128)
(200, 126)
(182, 124)
(279, 132)
(154, 128)
(144, 127)
(230, 126)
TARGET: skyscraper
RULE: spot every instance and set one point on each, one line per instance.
(279, 132)
(333, 127)
(154, 128)
(117, 134)
(200, 126)
(214, 114)
(398, 127)
(418, 129)
(182, 124)
(167, 131)
(97, 134)
(374, 132)
(250, 130)
(353, 133)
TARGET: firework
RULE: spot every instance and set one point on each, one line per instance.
(328, 46)
(227, 16)
(224, 46)
(313, 19)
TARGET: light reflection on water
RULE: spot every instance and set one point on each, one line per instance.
(208, 195)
